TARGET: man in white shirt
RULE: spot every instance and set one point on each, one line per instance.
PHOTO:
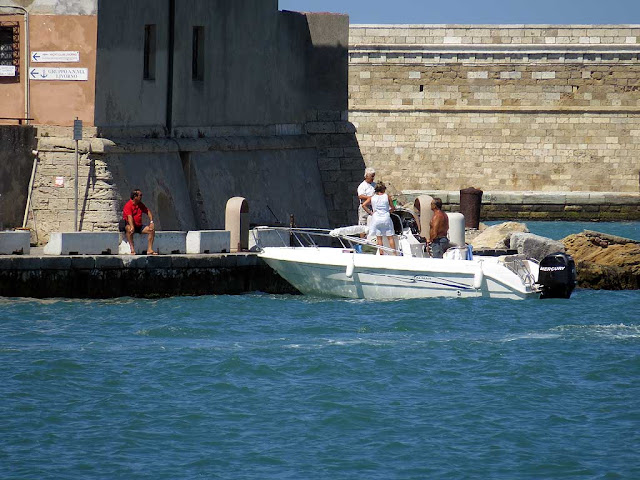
(365, 191)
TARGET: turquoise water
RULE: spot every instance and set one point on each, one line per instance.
(286, 387)
(260, 386)
(559, 230)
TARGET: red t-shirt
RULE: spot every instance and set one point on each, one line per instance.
(135, 211)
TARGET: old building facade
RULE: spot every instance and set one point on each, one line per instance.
(498, 107)
(192, 101)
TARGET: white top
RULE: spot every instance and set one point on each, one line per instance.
(380, 205)
(367, 189)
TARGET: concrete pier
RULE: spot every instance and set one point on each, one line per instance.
(112, 276)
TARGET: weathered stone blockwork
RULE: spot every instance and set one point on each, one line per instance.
(502, 108)
(309, 170)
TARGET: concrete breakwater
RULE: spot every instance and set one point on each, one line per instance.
(112, 276)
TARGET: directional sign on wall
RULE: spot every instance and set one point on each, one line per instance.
(71, 74)
(7, 71)
(55, 57)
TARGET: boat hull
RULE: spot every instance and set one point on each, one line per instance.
(343, 273)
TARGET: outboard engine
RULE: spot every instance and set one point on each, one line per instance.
(557, 276)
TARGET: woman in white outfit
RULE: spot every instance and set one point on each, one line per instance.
(379, 206)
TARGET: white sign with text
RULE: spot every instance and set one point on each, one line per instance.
(7, 71)
(71, 74)
(55, 56)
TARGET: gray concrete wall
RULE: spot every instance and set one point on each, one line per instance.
(123, 97)
(16, 162)
(328, 87)
(56, 7)
(187, 182)
(161, 179)
(262, 66)
(276, 183)
(241, 58)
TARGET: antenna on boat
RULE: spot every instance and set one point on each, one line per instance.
(274, 215)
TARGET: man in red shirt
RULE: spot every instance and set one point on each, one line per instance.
(132, 216)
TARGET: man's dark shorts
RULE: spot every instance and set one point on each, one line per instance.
(123, 223)
(439, 246)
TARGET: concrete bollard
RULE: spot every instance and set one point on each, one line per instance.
(470, 203)
(237, 223)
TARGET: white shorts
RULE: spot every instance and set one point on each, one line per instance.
(381, 227)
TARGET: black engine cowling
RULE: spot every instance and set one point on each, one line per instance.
(557, 277)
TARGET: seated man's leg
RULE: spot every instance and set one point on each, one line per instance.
(129, 234)
(151, 233)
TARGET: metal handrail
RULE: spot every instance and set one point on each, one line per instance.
(521, 269)
(304, 237)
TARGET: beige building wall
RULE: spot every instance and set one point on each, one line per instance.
(51, 102)
(59, 102)
(501, 108)
(12, 89)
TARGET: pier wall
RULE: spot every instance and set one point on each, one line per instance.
(498, 107)
(109, 276)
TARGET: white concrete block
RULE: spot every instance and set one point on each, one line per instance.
(209, 241)
(82, 243)
(15, 243)
(165, 243)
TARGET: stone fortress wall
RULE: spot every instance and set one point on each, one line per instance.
(498, 107)
(265, 118)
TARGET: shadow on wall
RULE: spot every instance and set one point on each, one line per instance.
(167, 213)
(16, 163)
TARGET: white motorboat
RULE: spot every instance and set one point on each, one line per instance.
(328, 263)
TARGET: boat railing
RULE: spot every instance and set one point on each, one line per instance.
(518, 265)
(314, 238)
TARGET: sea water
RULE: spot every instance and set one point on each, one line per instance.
(291, 387)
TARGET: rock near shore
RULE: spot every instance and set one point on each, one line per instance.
(605, 262)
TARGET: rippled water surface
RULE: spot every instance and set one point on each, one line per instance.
(261, 386)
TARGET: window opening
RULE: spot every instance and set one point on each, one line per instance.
(149, 52)
(197, 66)
(10, 46)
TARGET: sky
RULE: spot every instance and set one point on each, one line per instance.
(476, 11)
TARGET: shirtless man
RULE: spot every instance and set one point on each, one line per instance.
(439, 227)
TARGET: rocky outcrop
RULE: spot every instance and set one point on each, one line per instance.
(534, 246)
(605, 261)
(497, 236)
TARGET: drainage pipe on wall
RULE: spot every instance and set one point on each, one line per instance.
(31, 181)
(27, 103)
